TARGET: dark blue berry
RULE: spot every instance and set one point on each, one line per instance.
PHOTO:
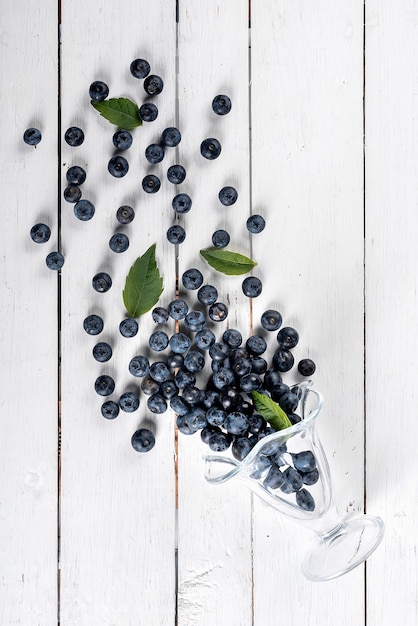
(171, 137)
(178, 309)
(228, 196)
(32, 136)
(54, 260)
(182, 203)
(178, 405)
(154, 153)
(122, 139)
(207, 432)
(261, 464)
(293, 478)
(153, 85)
(271, 320)
(159, 372)
(306, 367)
(232, 337)
(76, 175)
(176, 234)
(274, 478)
(310, 478)
(176, 174)
(208, 294)
(119, 243)
(195, 321)
(102, 352)
(129, 401)
(250, 382)
(148, 112)
(256, 345)
(101, 282)
(196, 418)
(221, 104)
(252, 286)
(192, 278)
(184, 378)
(74, 136)
(219, 441)
(98, 91)
(304, 461)
(241, 446)
(283, 360)
(204, 339)
(118, 166)
(287, 338)
(128, 327)
(220, 238)
(84, 210)
(288, 401)
(104, 385)
(218, 312)
(216, 416)
(272, 378)
(143, 440)
(241, 367)
(93, 324)
(157, 403)
(258, 365)
(223, 378)
(256, 223)
(256, 423)
(40, 233)
(192, 395)
(219, 351)
(139, 366)
(174, 360)
(304, 500)
(210, 148)
(151, 183)
(160, 315)
(72, 193)
(110, 410)
(125, 214)
(210, 399)
(140, 68)
(158, 341)
(150, 386)
(168, 389)
(194, 361)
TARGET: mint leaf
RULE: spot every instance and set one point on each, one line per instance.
(270, 410)
(227, 262)
(143, 285)
(119, 111)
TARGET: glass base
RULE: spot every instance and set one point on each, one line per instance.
(345, 548)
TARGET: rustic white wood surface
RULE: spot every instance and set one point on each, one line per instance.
(95, 533)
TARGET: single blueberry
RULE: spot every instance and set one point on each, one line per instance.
(148, 112)
(219, 441)
(84, 210)
(294, 479)
(241, 446)
(250, 382)
(160, 315)
(183, 378)
(207, 432)
(139, 366)
(176, 174)
(256, 423)
(98, 91)
(192, 278)
(154, 153)
(122, 139)
(287, 337)
(140, 68)
(151, 183)
(220, 238)
(182, 203)
(255, 224)
(223, 378)
(228, 196)
(128, 327)
(125, 214)
(208, 294)
(157, 403)
(272, 378)
(153, 85)
(271, 320)
(101, 282)
(288, 401)
(305, 500)
(256, 345)
(178, 405)
(178, 309)
(176, 234)
(110, 410)
(76, 175)
(158, 341)
(102, 352)
(159, 372)
(54, 260)
(40, 233)
(129, 401)
(179, 343)
(195, 321)
(204, 339)
(118, 166)
(119, 243)
(261, 464)
(171, 137)
(232, 337)
(32, 136)
(210, 399)
(306, 367)
(193, 395)
(196, 418)
(252, 286)
(168, 389)
(218, 312)
(310, 478)
(241, 367)
(210, 148)
(194, 361)
(304, 461)
(143, 440)
(274, 478)
(149, 386)
(104, 385)
(221, 104)
(216, 416)
(74, 136)
(219, 351)
(72, 193)
(93, 324)
(283, 360)
(174, 360)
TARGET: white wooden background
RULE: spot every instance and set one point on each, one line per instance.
(308, 81)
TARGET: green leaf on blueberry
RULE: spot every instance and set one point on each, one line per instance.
(227, 262)
(144, 284)
(119, 111)
(270, 410)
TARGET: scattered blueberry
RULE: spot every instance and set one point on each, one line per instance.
(119, 242)
(118, 166)
(176, 174)
(178, 309)
(271, 320)
(182, 203)
(160, 315)
(218, 312)
(140, 68)
(210, 148)
(255, 224)
(195, 321)
(128, 327)
(104, 385)
(143, 440)
(220, 238)
(204, 339)
(194, 361)
(54, 260)
(176, 234)
(32, 136)
(159, 373)
(110, 410)
(287, 337)
(256, 344)
(154, 153)
(139, 366)
(157, 403)
(306, 367)
(305, 500)
(84, 210)
(179, 343)
(148, 112)
(221, 104)
(153, 85)
(93, 324)
(151, 183)
(228, 196)
(192, 278)
(74, 136)
(102, 352)
(232, 337)
(101, 282)
(283, 360)
(98, 91)
(251, 286)
(72, 193)
(129, 401)
(171, 137)
(76, 175)
(40, 233)
(158, 341)
(125, 214)
(208, 294)
(122, 139)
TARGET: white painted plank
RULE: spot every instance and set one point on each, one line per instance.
(28, 304)
(391, 283)
(215, 570)
(118, 506)
(307, 159)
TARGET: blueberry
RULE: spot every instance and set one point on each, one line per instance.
(176, 174)
(210, 399)
(261, 464)
(182, 203)
(274, 478)
(208, 294)
(293, 480)
(192, 278)
(158, 341)
(256, 345)
(157, 403)
(306, 367)
(218, 312)
(223, 378)
(252, 286)
(256, 423)
(32, 136)
(40, 233)
(98, 91)
(283, 360)
(153, 85)
(125, 214)
(72, 193)
(220, 238)
(183, 426)
(305, 500)
(176, 234)
(219, 441)
(54, 260)
(150, 386)
(140, 68)
(287, 338)
(288, 401)
(122, 139)
(118, 166)
(272, 378)
(184, 378)
(171, 137)
(178, 309)
(104, 385)
(221, 104)
(84, 210)
(195, 321)
(258, 365)
(196, 418)
(204, 339)
(160, 315)
(194, 361)
(143, 440)
(207, 432)
(154, 153)
(93, 324)
(255, 224)
(168, 389)
(110, 410)
(159, 372)
(241, 446)
(178, 405)
(310, 478)
(102, 352)
(216, 416)
(219, 351)
(128, 327)
(174, 360)
(304, 461)
(101, 282)
(250, 382)
(193, 395)
(139, 366)
(151, 183)
(228, 196)
(271, 320)
(241, 367)
(236, 423)
(74, 136)
(119, 243)
(232, 337)
(148, 112)
(210, 148)
(76, 175)
(129, 401)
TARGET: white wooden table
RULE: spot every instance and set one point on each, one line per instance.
(322, 140)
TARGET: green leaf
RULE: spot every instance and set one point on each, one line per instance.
(270, 410)
(120, 111)
(143, 285)
(227, 262)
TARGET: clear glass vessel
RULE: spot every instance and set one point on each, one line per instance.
(289, 471)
